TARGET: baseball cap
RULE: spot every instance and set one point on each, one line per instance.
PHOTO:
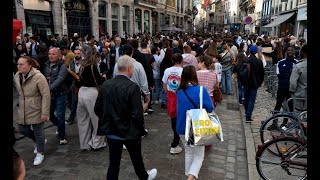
(253, 49)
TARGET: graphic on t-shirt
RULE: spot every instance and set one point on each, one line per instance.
(173, 82)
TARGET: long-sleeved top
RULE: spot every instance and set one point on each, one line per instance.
(298, 79)
(34, 97)
(184, 104)
(86, 77)
(139, 76)
(284, 69)
(56, 75)
(225, 61)
(119, 109)
(189, 59)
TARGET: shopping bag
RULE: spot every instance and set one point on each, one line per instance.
(202, 128)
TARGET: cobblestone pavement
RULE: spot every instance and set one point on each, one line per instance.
(224, 160)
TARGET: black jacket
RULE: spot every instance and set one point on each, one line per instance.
(119, 109)
(257, 72)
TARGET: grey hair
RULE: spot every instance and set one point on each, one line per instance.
(124, 63)
(175, 43)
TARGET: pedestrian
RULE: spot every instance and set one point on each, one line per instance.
(56, 73)
(206, 75)
(89, 84)
(226, 76)
(255, 80)
(171, 80)
(189, 86)
(34, 104)
(120, 111)
(298, 81)
(284, 69)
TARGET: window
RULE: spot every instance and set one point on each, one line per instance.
(115, 18)
(125, 18)
(146, 21)
(138, 20)
(102, 17)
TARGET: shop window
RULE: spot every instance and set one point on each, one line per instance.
(146, 21)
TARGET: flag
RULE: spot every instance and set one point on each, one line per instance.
(205, 4)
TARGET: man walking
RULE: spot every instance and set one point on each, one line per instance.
(56, 72)
(120, 113)
(256, 75)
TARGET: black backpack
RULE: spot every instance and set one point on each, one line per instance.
(245, 73)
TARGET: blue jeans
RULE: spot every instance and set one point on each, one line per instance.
(115, 152)
(226, 81)
(240, 91)
(58, 104)
(164, 96)
(250, 95)
(37, 134)
(157, 89)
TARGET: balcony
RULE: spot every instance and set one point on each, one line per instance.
(147, 3)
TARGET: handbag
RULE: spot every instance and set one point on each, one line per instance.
(217, 95)
(98, 87)
(201, 128)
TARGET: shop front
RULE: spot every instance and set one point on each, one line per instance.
(78, 17)
(39, 24)
(302, 23)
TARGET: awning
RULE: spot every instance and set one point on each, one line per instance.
(280, 19)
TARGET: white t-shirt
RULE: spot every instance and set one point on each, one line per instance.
(218, 70)
(172, 77)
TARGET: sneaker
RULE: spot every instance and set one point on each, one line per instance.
(176, 150)
(147, 132)
(249, 120)
(35, 151)
(124, 147)
(63, 141)
(152, 173)
(38, 159)
(150, 110)
(145, 114)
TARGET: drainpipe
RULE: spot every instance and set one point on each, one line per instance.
(63, 18)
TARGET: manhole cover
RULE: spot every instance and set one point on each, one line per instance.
(233, 106)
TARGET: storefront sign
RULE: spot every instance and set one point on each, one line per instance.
(48, 31)
(302, 14)
(29, 30)
(76, 7)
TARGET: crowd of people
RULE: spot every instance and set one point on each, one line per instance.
(111, 84)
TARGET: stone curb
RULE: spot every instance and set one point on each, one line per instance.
(250, 147)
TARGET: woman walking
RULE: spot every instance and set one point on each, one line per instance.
(34, 103)
(90, 80)
(189, 86)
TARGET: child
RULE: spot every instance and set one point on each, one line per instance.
(217, 69)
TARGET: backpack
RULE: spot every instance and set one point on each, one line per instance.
(245, 72)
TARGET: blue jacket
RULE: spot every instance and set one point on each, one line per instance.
(184, 104)
(284, 69)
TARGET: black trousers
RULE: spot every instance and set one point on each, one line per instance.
(176, 137)
(283, 95)
(115, 151)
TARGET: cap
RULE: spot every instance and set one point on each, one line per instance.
(253, 49)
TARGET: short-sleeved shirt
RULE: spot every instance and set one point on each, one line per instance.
(172, 77)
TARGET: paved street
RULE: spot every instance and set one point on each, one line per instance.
(225, 160)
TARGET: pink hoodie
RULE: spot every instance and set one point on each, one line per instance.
(189, 59)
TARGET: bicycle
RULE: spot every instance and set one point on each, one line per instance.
(282, 122)
(285, 155)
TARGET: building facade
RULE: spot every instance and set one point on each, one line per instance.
(120, 17)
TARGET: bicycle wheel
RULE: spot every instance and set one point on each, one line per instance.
(277, 125)
(289, 164)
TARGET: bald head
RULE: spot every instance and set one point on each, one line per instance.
(54, 55)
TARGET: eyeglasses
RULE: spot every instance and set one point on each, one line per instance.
(20, 64)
